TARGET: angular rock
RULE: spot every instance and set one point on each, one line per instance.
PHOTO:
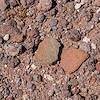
(47, 52)
(72, 58)
(44, 5)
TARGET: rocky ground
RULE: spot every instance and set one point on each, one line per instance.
(49, 49)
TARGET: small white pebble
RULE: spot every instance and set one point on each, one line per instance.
(49, 77)
(5, 66)
(86, 39)
(6, 37)
(77, 6)
(33, 66)
(93, 46)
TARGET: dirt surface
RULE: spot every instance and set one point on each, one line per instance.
(49, 49)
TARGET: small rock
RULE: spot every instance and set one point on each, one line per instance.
(77, 6)
(47, 52)
(48, 77)
(98, 66)
(13, 49)
(33, 66)
(53, 22)
(40, 17)
(2, 5)
(44, 5)
(93, 46)
(86, 39)
(18, 80)
(6, 37)
(74, 35)
(85, 47)
(14, 62)
(31, 86)
(37, 78)
(72, 58)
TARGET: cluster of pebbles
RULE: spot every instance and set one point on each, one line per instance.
(49, 49)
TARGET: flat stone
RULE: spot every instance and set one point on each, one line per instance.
(47, 52)
(72, 58)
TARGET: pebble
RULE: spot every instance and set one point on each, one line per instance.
(93, 46)
(47, 52)
(86, 39)
(77, 6)
(44, 5)
(53, 22)
(74, 35)
(6, 37)
(48, 77)
(12, 49)
(85, 47)
(40, 17)
(72, 58)
(33, 66)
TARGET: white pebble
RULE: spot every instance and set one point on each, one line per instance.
(6, 37)
(49, 77)
(86, 39)
(77, 6)
(93, 46)
(33, 66)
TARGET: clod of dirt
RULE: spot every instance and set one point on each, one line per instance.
(72, 58)
(44, 5)
(47, 52)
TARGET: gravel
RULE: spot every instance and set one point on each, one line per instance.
(33, 37)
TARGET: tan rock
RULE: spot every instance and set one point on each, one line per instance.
(47, 52)
(72, 58)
